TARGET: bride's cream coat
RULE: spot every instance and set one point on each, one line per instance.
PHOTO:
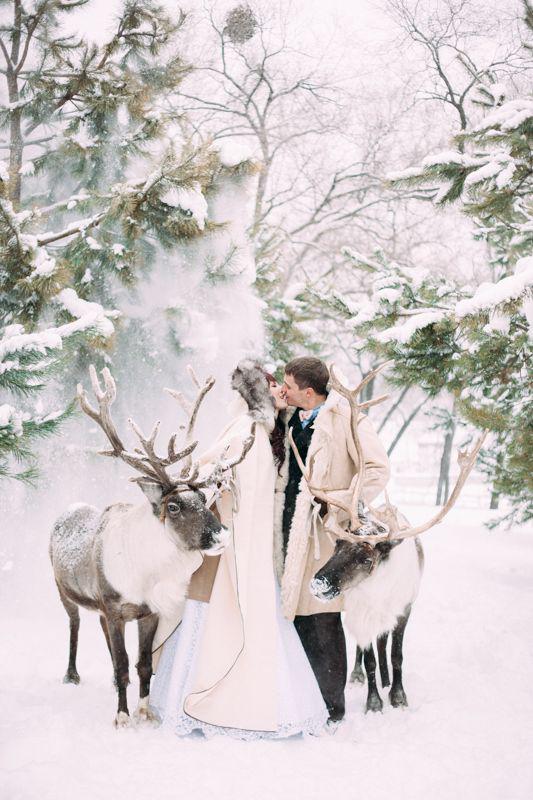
(237, 656)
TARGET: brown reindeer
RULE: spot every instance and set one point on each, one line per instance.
(380, 579)
(134, 562)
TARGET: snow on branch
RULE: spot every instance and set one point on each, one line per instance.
(80, 226)
(361, 260)
(89, 316)
(11, 418)
(489, 295)
(402, 333)
(508, 116)
(445, 157)
(15, 340)
(487, 298)
(190, 200)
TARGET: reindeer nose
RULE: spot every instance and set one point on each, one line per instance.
(219, 541)
(321, 588)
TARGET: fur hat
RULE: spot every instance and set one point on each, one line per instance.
(248, 378)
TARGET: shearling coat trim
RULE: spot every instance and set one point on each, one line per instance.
(249, 380)
(299, 539)
(297, 554)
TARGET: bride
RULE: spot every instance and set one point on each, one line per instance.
(235, 665)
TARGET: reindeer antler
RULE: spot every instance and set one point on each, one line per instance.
(388, 515)
(223, 464)
(191, 409)
(307, 473)
(150, 466)
(355, 409)
(145, 459)
(190, 471)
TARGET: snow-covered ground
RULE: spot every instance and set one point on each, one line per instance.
(468, 732)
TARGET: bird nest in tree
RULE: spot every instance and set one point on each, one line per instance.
(240, 24)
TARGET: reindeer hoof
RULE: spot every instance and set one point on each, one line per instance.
(71, 677)
(357, 676)
(374, 703)
(122, 720)
(146, 714)
(397, 697)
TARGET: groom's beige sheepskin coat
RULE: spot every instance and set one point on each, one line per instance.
(335, 467)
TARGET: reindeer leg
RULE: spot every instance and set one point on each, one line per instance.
(397, 695)
(71, 675)
(373, 701)
(103, 624)
(382, 658)
(115, 627)
(358, 676)
(147, 627)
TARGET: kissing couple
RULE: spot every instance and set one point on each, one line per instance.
(256, 655)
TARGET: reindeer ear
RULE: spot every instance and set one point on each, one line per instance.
(384, 548)
(153, 491)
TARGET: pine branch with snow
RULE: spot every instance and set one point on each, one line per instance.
(98, 174)
(100, 177)
(492, 178)
(475, 342)
(27, 361)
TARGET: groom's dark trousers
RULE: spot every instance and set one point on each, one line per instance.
(322, 635)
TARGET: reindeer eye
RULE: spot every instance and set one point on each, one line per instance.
(367, 562)
(173, 508)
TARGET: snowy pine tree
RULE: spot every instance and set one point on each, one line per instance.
(26, 363)
(474, 342)
(85, 199)
(101, 178)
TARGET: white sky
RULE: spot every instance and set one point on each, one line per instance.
(361, 17)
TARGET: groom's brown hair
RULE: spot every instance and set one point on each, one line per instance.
(309, 372)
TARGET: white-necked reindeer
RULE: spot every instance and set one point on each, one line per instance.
(134, 562)
(380, 579)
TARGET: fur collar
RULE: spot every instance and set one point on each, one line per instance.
(248, 379)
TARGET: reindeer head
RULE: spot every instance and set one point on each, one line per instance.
(176, 500)
(360, 548)
(350, 564)
(187, 520)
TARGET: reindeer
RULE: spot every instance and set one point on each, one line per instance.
(380, 579)
(134, 562)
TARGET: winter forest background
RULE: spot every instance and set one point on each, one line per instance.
(194, 182)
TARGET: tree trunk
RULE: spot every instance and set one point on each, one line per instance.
(15, 116)
(443, 487)
(368, 392)
(261, 183)
(393, 408)
(495, 495)
(15, 153)
(406, 424)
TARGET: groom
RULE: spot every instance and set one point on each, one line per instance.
(320, 428)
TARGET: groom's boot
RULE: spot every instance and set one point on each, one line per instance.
(322, 637)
